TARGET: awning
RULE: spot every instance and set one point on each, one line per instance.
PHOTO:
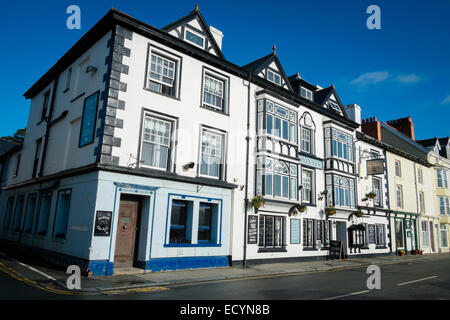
(359, 227)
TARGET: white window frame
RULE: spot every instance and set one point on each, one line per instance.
(172, 125)
(175, 87)
(195, 33)
(221, 163)
(307, 141)
(444, 207)
(224, 81)
(378, 199)
(305, 93)
(398, 168)
(305, 184)
(161, 74)
(441, 178)
(399, 195)
(420, 175)
(274, 77)
(421, 202)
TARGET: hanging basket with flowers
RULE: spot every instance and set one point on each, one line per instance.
(330, 211)
(359, 213)
(371, 195)
(302, 208)
(258, 202)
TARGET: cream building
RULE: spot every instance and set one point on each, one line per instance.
(439, 155)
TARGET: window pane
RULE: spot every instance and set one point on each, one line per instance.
(269, 184)
(178, 220)
(62, 214)
(278, 185)
(204, 222)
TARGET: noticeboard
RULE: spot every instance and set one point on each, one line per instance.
(252, 230)
(295, 231)
(103, 223)
(336, 250)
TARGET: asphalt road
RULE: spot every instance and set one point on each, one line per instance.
(428, 279)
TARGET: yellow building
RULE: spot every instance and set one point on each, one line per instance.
(439, 156)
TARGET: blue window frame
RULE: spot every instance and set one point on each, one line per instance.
(89, 120)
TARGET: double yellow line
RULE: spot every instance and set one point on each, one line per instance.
(18, 276)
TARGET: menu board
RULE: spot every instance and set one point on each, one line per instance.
(295, 231)
(102, 223)
(336, 250)
(371, 233)
(252, 230)
(89, 120)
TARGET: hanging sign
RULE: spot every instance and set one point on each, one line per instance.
(375, 166)
(103, 223)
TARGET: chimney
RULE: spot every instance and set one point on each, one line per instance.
(218, 36)
(354, 112)
(404, 125)
(371, 127)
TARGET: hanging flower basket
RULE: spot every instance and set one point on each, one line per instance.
(371, 195)
(258, 202)
(302, 208)
(359, 213)
(330, 211)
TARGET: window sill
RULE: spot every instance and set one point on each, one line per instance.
(191, 245)
(263, 250)
(162, 94)
(215, 110)
(77, 97)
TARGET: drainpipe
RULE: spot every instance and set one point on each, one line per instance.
(418, 210)
(388, 201)
(246, 201)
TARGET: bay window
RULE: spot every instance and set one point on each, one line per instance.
(278, 177)
(280, 122)
(444, 207)
(343, 191)
(338, 144)
(441, 176)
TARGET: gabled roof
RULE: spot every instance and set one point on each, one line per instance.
(322, 96)
(7, 147)
(196, 15)
(440, 143)
(296, 79)
(259, 65)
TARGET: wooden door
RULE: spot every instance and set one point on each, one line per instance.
(126, 234)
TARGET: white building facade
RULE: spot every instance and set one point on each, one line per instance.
(145, 147)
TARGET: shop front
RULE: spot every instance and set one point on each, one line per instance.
(405, 232)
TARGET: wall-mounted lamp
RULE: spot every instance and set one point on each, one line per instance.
(91, 69)
(188, 166)
(300, 188)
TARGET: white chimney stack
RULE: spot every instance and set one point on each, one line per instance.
(353, 112)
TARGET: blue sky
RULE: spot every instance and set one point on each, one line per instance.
(401, 70)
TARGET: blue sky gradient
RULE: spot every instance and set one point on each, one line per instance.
(401, 70)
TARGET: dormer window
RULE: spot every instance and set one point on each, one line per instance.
(305, 93)
(335, 107)
(194, 38)
(273, 77)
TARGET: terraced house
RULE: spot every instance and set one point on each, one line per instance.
(145, 148)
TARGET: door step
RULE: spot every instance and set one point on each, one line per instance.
(126, 271)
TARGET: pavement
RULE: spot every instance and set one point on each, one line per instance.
(51, 278)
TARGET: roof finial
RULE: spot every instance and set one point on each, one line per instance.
(196, 7)
(274, 49)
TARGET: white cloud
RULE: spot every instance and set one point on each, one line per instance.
(370, 78)
(408, 78)
(446, 100)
